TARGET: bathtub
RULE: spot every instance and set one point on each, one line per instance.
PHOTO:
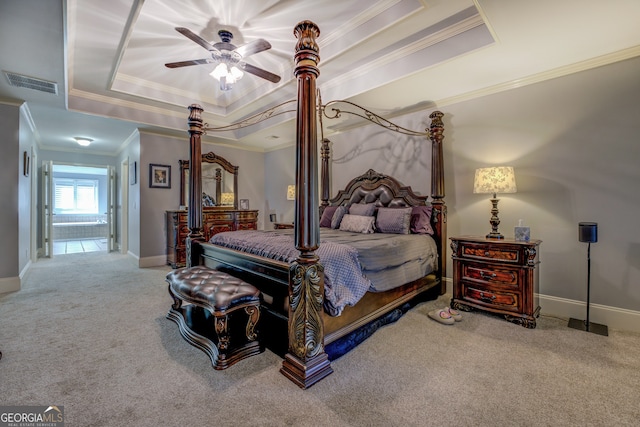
(79, 230)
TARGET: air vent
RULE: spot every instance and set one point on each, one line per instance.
(19, 80)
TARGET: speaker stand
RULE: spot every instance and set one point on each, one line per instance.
(585, 325)
(595, 328)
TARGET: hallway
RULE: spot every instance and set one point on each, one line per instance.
(61, 247)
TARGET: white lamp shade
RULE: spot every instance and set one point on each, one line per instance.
(291, 192)
(226, 199)
(499, 179)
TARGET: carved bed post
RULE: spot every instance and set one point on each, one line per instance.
(325, 153)
(195, 184)
(306, 361)
(437, 191)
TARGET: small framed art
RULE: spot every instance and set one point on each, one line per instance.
(244, 204)
(159, 176)
(133, 173)
(25, 163)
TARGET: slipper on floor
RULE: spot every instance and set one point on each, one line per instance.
(457, 316)
(442, 316)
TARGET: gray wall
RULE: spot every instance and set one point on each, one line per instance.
(279, 172)
(11, 176)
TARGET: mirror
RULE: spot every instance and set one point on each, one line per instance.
(219, 183)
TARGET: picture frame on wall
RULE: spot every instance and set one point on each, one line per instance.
(244, 204)
(133, 173)
(159, 176)
(25, 163)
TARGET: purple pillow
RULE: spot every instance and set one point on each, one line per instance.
(363, 209)
(337, 216)
(393, 220)
(421, 220)
(327, 214)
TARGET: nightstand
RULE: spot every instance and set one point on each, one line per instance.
(282, 225)
(496, 276)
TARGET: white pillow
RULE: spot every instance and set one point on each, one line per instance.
(357, 223)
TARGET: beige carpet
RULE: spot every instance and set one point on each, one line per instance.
(88, 332)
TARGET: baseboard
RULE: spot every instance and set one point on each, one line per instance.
(152, 261)
(614, 317)
(9, 284)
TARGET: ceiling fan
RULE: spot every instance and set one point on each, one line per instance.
(230, 59)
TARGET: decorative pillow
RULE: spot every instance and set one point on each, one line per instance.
(364, 209)
(357, 223)
(421, 220)
(337, 216)
(393, 220)
(327, 215)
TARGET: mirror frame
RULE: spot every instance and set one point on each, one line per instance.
(210, 157)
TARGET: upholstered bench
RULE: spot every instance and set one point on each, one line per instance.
(216, 312)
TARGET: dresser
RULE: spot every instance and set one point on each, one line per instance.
(496, 276)
(213, 222)
(282, 225)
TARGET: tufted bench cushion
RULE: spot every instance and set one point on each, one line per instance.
(216, 312)
(210, 288)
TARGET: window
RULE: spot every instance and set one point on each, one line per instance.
(75, 195)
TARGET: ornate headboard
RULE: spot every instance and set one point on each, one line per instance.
(383, 190)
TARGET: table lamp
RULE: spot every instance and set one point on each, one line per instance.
(494, 180)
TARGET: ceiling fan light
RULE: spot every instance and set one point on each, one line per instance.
(220, 71)
(236, 73)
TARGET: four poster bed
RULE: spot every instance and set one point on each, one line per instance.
(308, 316)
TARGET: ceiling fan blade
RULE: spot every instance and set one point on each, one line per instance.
(196, 38)
(187, 63)
(253, 47)
(260, 72)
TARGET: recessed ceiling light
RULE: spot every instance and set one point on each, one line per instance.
(83, 141)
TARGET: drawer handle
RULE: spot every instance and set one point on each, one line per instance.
(486, 276)
(487, 299)
(487, 253)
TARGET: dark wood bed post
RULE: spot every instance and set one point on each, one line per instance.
(437, 192)
(306, 361)
(194, 220)
(325, 152)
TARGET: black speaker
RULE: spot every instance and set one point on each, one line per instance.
(588, 232)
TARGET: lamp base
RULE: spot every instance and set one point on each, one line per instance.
(595, 328)
(494, 235)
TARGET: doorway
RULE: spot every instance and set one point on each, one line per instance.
(80, 215)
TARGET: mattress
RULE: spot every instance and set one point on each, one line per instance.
(354, 263)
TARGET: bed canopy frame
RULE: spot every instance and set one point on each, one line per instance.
(306, 361)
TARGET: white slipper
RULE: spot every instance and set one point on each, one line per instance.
(442, 316)
(457, 316)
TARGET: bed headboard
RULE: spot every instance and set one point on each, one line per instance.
(383, 190)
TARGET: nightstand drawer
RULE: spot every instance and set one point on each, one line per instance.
(494, 275)
(488, 252)
(492, 298)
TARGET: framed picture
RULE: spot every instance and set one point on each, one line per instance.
(25, 163)
(159, 176)
(133, 173)
(244, 204)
